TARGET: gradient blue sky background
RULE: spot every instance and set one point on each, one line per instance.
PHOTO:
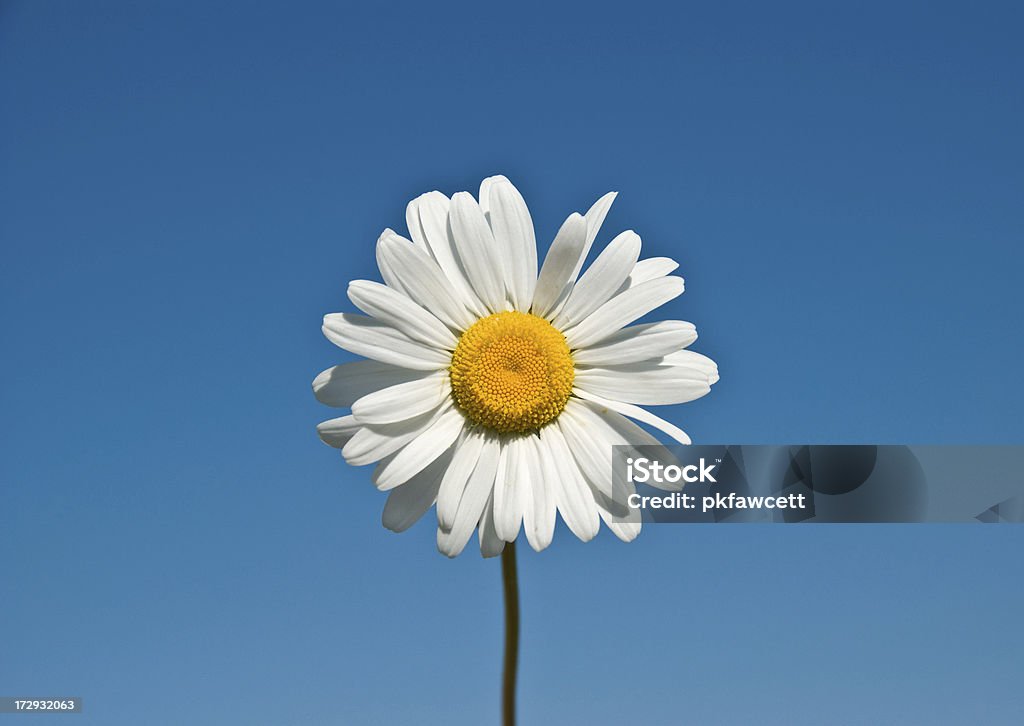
(187, 187)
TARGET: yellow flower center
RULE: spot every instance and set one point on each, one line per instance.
(512, 372)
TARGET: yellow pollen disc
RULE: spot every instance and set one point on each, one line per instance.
(512, 372)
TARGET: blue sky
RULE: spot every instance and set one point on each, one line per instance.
(188, 187)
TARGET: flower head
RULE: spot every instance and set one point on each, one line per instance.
(497, 392)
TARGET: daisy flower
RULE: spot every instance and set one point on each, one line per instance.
(497, 392)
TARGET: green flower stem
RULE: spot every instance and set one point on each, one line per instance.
(508, 677)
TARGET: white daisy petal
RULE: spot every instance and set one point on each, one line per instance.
(478, 255)
(467, 452)
(626, 524)
(501, 484)
(575, 501)
(407, 503)
(484, 197)
(371, 338)
(620, 431)
(491, 544)
(512, 228)
(387, 271)
(590, 446)
(431, 217)
(637, 343)
(559, 265)
(618, 428)
(539, 506)
(649, 269)
(623, 309)
(446, 543)
(514, 512)
(337, 432)
(373, 443)
(695, 361)
(639, 414)
(414, 222)
(340, 386)
(645, 384)
(595, 218)
(601, 280)
(508, 501)
(415, 272)
(403, 401)
(397, 310)
(419, 452)
(474, 498)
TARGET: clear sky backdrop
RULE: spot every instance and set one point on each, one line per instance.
(186, 187)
